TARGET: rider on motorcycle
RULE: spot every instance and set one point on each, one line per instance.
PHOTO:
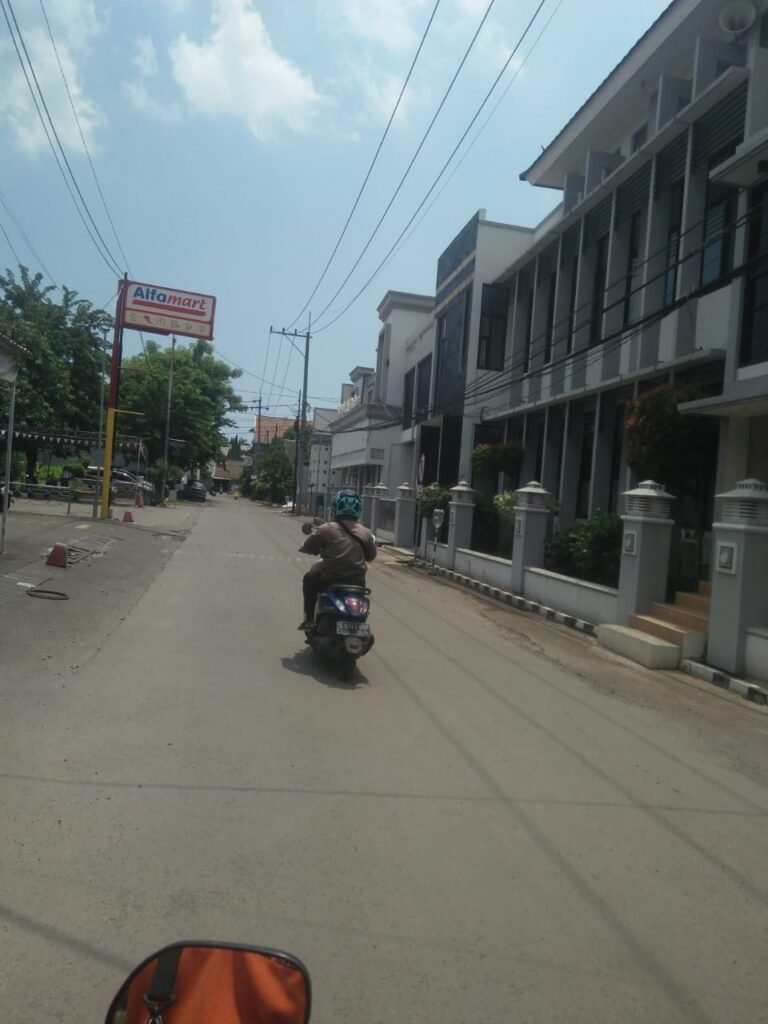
(345, 547)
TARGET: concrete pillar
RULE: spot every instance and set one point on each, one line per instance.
(531, 522)
(739, 591)
(405, 516)
(460, 512)
(377, 493)
(645, 549)
(367, 515)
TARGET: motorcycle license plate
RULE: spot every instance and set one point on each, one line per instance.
(353, 629)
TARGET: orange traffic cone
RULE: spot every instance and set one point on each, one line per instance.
(128, 517)
(58, 556)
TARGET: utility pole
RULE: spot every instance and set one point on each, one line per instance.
(168, 419)
(258, 420)
(302, 430)
(296, 464)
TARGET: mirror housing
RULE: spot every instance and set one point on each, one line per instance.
(226, 983)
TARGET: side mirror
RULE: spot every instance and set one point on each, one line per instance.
(306, 528)
(197, 981)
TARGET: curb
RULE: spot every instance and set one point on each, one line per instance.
(749, 691)
(522, 604)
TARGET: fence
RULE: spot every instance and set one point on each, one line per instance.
(77, 492)
(385, 519)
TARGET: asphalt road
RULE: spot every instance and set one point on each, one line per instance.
(497, 823)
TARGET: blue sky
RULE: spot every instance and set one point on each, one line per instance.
(230, 138)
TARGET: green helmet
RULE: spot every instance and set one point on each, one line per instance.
(346, 503)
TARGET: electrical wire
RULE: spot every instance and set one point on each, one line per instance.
(103, 248)
(434, 184)
(371, 166)
(10, 243)
(19, 227)
(480, 131)
(419, 148)
(82, 136)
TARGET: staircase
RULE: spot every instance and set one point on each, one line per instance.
(684, 623)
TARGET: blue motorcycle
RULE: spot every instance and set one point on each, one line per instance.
(341, 633)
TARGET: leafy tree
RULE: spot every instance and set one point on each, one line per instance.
(202, 397)
(676, 450)
(235, 448)
(58, 385)
(275, 468)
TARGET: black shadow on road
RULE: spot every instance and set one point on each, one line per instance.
(304, 663)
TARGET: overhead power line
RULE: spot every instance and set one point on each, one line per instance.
(20, 228)
(407, 171)
(68, 176)
(82, 136)
(10, 243)
(479, 132)
(442, 171)
(371, 165)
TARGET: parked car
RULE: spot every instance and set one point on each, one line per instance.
(193, 490)
(121, 476)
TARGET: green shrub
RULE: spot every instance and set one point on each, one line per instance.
(589, 551)
(504, 457)
(434, 497)
(505, 505)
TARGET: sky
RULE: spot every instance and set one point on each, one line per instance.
(227, 141)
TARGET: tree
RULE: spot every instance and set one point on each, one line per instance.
(235, 448)
(275, 469)
(58, 385)
(201, 399)
(669, 447)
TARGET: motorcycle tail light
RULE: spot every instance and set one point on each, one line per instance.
(355, 605)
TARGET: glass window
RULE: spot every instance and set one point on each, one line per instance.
(408, 392)
(754, 345)
(549, 327)
(423, 383)
(598, 291)
(639, 138)
(632, 293)
(673, 243)
(528, 329)
(717, 254)
(493, 328)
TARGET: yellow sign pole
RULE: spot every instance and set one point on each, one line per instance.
(106, 479)
(114, 391)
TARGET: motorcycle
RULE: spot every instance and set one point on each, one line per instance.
(340, 632)
(214, 983)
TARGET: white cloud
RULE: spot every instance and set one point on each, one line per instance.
(391, 24)
(145, 60)
(145, 103)
(238, 73)
(75, 26)
(136, 89)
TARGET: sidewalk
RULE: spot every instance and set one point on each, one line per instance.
(32, 532)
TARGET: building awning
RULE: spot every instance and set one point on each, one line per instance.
(739, 408)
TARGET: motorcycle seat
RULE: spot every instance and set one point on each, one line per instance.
(345, 588)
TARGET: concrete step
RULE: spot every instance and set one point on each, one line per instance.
(680, 617)
(705, 588)
(639, 646)
(695, 602)
(691, 643)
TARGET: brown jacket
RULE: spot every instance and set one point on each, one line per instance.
(343, 556)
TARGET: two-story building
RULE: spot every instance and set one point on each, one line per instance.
(651, 270)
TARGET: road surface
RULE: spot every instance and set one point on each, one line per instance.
(497, 823)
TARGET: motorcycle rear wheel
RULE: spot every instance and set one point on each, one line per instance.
(347, 668)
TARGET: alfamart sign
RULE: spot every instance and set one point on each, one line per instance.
(168, 310)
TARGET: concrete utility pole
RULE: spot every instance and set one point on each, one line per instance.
(302, 431)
